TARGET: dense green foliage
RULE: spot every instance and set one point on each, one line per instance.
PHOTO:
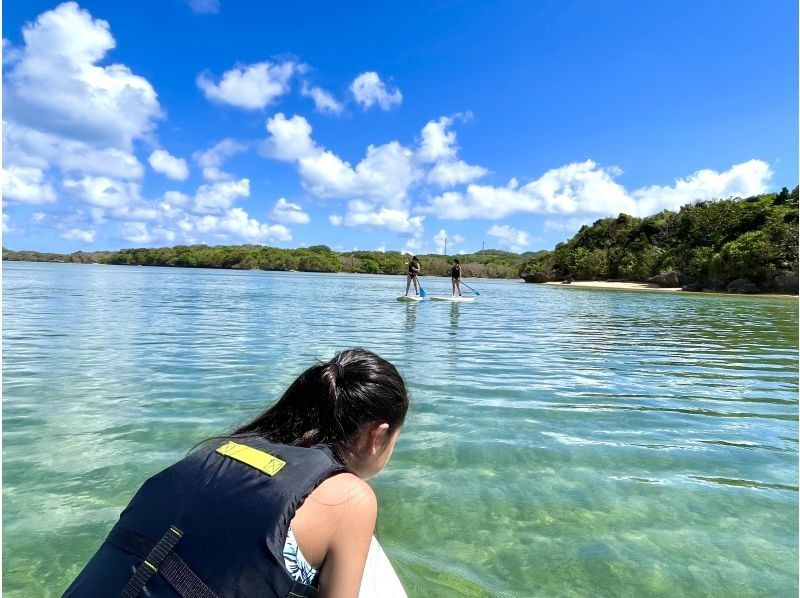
(489, 263)
(714, 241)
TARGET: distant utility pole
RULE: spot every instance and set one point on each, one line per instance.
(445, 246)
(483, 244)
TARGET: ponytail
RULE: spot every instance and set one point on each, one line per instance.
(332, 401)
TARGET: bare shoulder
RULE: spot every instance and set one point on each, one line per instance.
(345, 489)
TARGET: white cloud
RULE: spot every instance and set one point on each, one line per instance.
(381, 247)
(55, 86)
(77, 234)
(368, 89)
(238, 224)
(363, 214)
(103, 192)
(437, 141)
(510, 238)
(212, 159)
(290, 138)
(741, 180)
(438, 146)
(26, 185)
(456, 172)
(289, 213)
(323, 101)
(442, 241)
(586, 188)
(251, 87)
(8, 227)
(220, 196)
(384, 175)
(24, 146)
(204, 6)
(165, 163)
(38, 217)
(136, 232)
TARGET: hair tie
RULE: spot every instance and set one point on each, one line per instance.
(339, 370)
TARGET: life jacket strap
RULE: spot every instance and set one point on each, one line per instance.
(159, 557)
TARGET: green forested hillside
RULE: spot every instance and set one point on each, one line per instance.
(704, 246)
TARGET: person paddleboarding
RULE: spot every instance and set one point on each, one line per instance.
(455, 277)
(412, 274)
(278, 507)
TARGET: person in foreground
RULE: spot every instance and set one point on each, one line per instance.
(280, 507)
(455, 277)
(411, 275)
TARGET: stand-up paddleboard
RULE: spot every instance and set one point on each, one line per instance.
(450, 298)
(379, 579)
(409, 298)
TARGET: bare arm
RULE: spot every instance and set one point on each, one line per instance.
(347, 551)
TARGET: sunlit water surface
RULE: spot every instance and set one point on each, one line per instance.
(562, 442)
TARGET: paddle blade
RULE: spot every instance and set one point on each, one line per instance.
(421, 292)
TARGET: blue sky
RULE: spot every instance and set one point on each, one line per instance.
(377, 125)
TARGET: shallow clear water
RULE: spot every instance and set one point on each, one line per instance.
(562, 442)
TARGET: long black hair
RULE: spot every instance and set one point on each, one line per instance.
(332, 401)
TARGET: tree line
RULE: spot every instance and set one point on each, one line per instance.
(489, 263)
(705, 246)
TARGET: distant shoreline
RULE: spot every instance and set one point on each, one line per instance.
(649, 287)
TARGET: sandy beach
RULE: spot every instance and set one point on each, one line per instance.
(642, 286)
(604, 284)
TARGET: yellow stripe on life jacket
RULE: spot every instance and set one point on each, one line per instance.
(253, 457)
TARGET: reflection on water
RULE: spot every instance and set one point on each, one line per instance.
(560, 441)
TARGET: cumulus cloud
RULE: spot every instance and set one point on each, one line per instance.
(236, 223)
(77, 234)
(455, 172)
(211, 160)
(384, 175)
(290, 138)
(170, 166)
(204, 7)
(437, 141)
(510, 238)
(368, 89)
(438, 146)
(221, 196)
(586, 188)
(165, 163)
(741, 180)
(323, 101)
(363, 214)
(26, 185)
(103, 192)
(24, 146)
(251, 87)
(56, 86)
(289, 213)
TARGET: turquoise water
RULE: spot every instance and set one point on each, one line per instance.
(562, 442)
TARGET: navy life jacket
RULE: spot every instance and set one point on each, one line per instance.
(212, 525)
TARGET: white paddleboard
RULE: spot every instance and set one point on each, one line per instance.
(379, 579)
(409, 298)
(455, 299)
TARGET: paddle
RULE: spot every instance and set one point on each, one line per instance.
(421, 290)
(469, 287)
